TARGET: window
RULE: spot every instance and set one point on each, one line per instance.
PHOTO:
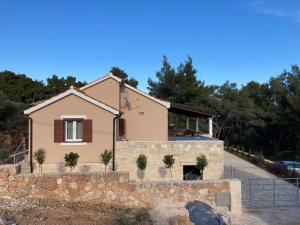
(297, 165)
(73, 130)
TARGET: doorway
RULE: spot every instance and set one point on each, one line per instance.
(191, 172)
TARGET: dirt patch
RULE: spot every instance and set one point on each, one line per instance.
(41, 212)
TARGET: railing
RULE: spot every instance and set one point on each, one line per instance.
(21, 151)
(185, 132)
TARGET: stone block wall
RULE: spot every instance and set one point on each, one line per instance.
(185, 153)
(80, 168)
(114, 188)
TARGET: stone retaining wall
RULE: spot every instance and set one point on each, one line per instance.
(185, 153)
(114, 188)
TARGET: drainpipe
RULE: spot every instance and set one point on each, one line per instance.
(30, 143)
(114, 138)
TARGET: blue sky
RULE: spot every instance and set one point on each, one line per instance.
(235, 40)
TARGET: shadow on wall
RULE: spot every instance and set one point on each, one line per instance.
(85, 168)
(140, 174)
(61, 168)
(202, 214)
(162, 171)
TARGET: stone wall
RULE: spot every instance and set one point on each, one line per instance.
(80, 168)
(115, 188)
(185, 153)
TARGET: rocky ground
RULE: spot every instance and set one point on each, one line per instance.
(39, 212)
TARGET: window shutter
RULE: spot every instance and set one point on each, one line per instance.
(87, 130)
(59, 131)
(121, 127)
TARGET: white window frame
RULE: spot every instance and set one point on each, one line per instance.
(74, 122)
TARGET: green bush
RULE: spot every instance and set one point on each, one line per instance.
(259, 160)
(169, 163)
(141, 163)
(71, 160)
(106, 157)
(201, 164)
(292, 174)
(40, 156)
(3, 154)
(140, 217)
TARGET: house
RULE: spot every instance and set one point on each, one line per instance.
(110, 114)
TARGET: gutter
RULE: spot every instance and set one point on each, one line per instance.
(114, 138)
(30, 145)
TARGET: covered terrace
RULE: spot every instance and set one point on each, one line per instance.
(189, 122)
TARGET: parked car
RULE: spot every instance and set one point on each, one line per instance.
(292, 165)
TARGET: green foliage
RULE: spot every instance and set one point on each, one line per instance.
(3, 154)
(169, 163)
(56, 85)
(106, 157)
(71, 160)
(124, 76)
(11, 114)
(141, 217)
(201, 162)
(262, 116)
(20, 88)
(259, 160)
(18, 91)
(40, 156)
(141, 162)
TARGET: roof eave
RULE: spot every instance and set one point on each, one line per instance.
(67, 93)
(100, 80)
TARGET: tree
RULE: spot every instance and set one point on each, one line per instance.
(169, 163)
(3, 155)
(141, 163)
(20, 88)
(56, 85)
(11, 114)
(165, 86)
(40, 156)
(71, 160)
(7, 107)
(106, 157)
(201, 164)
(124, 76)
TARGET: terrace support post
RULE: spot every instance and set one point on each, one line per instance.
(197, 124)
(210, 126)
(187, 123)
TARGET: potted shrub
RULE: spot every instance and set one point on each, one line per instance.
(141, 163)
(40, 156)
(71, 160)
(105, 158)
(169, 163)
(201, 164)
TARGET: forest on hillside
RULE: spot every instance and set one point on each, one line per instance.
(260, 118)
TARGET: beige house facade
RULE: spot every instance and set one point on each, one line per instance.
(109, 114)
